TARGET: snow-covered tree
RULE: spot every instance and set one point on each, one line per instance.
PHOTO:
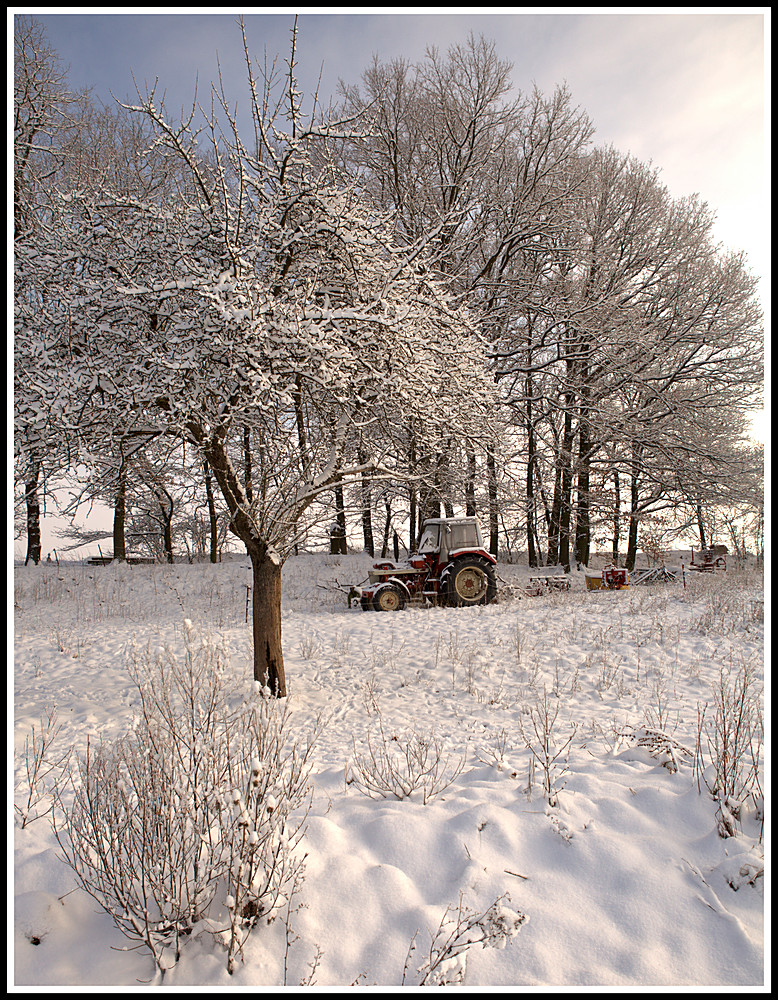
(644, 345)
(456, 150)
(62, 142)
(42, 120)
(265, 283)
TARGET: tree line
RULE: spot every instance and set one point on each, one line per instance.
(442, 295)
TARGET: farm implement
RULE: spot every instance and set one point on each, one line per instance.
(611, 578)
(710, 559)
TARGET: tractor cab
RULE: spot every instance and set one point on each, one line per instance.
(445, 537)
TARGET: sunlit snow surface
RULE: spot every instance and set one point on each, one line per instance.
(625, 881)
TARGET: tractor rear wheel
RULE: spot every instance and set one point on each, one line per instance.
(471, 580)
(389, 599)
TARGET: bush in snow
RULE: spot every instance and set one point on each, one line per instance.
(661, 745)
(548, 750)
(44, 770)
(457, 933)
(729, 744)
(395, 767)
(190, 822)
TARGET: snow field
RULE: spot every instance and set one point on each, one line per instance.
(625, 880)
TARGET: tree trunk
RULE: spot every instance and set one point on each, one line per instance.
(167, 539)
(414, 501)
(616, 517)
(165, 503)
(367, 514)
(470, 508)
(545, 510)
(634, 513)
(387, 526)
(443, 479)
(566, 491)
(632, 540)
(412, 515)
(265, 566)
(554, 515)
(532, 553)
(429, 508)
(338, 545)
(494, 524)
(266, 621)
(119, 517)
(34, 545)
(701, 526)
(583, 518)
(367, 528)
(214, 527)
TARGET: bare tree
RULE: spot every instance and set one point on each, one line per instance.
(454, 152)
(42, 116)
(203, 314)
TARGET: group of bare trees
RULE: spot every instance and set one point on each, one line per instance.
(627, 347)
(444, 296)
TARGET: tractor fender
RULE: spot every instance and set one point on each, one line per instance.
(480, 553)
(393, 581)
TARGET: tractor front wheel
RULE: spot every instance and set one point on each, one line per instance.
(471, 581)
(389, 599)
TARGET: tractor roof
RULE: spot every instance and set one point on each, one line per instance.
(450, 520)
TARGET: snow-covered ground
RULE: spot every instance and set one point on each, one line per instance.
(624, 880)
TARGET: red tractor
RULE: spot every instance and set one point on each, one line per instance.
(451, 567)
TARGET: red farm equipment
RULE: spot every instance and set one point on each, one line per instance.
(450, 568)
(710, 559)
(611, 578)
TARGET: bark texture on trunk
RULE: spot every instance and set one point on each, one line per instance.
(561, 508)
(533, 556)
(634, 526)
(701, 526)
(583, 519)
(616, 517)
(213, 525)
(494, 524)
(34, 544)
(265, 566)
(119, 516)
(266, 623)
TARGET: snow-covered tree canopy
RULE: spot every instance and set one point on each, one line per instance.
(259, 292)
(448, 286)
(253, 288)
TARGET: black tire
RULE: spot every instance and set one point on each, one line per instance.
(470, 580)
(389, 599)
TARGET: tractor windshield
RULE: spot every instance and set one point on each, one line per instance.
(464, 536)
(430, 540)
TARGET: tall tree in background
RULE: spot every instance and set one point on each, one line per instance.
(43, 115)
(491, 174)
(647, 328)
(62, 142)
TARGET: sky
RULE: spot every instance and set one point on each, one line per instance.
(683, 88)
